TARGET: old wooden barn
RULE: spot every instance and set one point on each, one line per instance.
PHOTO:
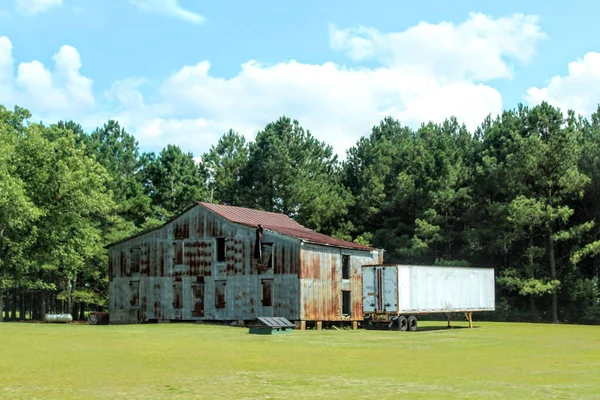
(225, 263)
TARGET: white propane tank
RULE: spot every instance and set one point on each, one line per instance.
(58, 318)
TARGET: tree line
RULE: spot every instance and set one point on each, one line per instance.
(521, 194)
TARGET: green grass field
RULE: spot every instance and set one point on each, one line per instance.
(188, 361)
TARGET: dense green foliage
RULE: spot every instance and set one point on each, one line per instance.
(521, 194)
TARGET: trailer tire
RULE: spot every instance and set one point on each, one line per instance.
(402, 323)
(412, 323)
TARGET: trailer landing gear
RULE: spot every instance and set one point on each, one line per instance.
(468, 316)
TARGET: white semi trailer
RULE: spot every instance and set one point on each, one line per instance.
(394, 295)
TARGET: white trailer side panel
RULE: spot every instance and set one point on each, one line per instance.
(425, 289)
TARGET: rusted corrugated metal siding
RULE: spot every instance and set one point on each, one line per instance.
(321, 282)
(176, 275)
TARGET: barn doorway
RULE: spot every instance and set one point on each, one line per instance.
(346, 302)
(198, 293)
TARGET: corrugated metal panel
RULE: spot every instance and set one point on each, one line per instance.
(322, 284)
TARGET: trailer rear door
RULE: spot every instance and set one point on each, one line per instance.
(368, 284)
(389, 289)
(380, 289)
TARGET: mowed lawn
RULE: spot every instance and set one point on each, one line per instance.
(192, 361)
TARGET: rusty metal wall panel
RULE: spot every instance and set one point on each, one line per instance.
(164, 266)
(322, 284)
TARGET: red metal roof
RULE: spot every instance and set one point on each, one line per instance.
(279, 223)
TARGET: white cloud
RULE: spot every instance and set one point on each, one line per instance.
(31, 7)
(6, 70)
(168, 7)
(578, 91)
(56, 93)
(475, 49)
(428, 72)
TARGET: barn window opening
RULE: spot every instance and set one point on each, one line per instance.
(220, 249)
(265, 265)
(220, 294)
(267, 292)
(346, 302)
(345, 266)
(177, 295)
(198, 292)
(135, 260)
(177, 252)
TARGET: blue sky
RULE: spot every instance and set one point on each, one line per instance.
(138, 61)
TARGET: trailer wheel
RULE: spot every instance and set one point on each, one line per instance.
(402, 323)
(412, 323)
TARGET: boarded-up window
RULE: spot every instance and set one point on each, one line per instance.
(135, 293)
(220, 249)
(346, 302)
(345, 266)
(177, 295)
(177, 252)
(220, 294)
(135, 260)
(267, 292)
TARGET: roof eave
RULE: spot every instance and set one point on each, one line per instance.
(364, 248)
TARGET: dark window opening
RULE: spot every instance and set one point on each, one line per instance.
(177, 252)
(345, 266)
(111, 267)
(220, 249)
(220, 294)
(346, 302)
(265, 267)
(267, 292)
(135, 260)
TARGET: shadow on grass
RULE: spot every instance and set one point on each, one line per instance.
(442, 328)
